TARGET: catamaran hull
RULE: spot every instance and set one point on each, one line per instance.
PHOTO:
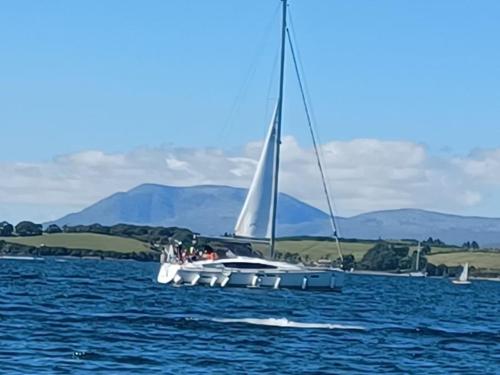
(326, 279)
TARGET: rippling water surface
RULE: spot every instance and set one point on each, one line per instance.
(104, 317)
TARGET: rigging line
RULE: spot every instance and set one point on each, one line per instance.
(315, 146)
(310, 103)
(312, 113)
(272, 80)
(235, 107)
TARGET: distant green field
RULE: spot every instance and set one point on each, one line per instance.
(439, 255)
(488, 260)
(439, 249)
(321, 249)
(315, 249)
(89, 241)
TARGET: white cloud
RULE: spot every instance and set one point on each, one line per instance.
(365, 174)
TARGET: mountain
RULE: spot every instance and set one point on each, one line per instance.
(421, 224)
(213, 210)
(207, 209)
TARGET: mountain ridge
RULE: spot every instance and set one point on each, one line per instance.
(213, 210)
(423, 210)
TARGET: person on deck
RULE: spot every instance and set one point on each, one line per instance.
(180, 252)
(210, 254)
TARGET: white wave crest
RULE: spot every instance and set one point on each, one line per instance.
(283, 322)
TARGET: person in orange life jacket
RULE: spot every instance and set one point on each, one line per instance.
(210, 254)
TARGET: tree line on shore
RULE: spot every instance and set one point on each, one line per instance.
(140, 232)
(15, 249)
(155, 236)
(383, 256)
(158, 234)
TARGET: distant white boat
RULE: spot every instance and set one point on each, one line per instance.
(20, 257)
(464, 276)
(418, 272)
(257, 221)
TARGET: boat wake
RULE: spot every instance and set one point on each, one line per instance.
(283, 322)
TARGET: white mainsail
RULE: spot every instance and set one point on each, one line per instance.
(255, 218)
(465, 273)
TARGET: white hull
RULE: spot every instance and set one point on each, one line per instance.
(417, 274)
(257, 273)
(459, 282)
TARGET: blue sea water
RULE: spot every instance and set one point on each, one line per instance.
(107, 317)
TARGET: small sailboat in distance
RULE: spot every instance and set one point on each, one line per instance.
(257, 223)
(418, 272)
(464, 276)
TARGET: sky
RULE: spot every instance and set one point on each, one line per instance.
(97, 97)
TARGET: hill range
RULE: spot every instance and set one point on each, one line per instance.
(213, 210)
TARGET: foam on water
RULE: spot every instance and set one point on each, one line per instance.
(283, 322)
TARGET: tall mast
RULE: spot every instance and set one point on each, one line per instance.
(417, 260)
(279, 112)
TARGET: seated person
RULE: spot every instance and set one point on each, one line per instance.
(210, 254)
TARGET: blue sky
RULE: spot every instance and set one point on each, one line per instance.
(119, 74)
(116, 76)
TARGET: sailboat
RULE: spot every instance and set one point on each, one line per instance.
(257, 222)
(464, 276)
(418, 272)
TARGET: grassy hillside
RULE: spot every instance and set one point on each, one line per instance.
(89, 241)
(321, 249)
(314, 248)
(450, 256)
(318, 249)
(478, 259)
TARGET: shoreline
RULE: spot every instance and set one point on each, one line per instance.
(15, 251)
(384, 273)
(120, 257)
(68, 257)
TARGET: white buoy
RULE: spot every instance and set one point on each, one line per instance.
(177, 279)
(277, 283)
(213, 280)
(304, 283)
(195, 280)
